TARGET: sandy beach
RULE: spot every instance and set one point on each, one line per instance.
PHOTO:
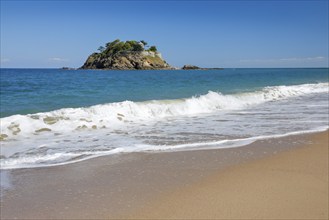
(290, 185)
(282, 178)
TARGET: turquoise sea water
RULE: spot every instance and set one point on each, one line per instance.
(52, 116)
(26, 91)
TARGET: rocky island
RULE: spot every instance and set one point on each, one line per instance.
(128, 55)
(192, 67)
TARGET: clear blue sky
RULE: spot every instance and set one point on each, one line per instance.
(204, 33)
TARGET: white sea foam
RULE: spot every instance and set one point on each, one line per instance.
(114, 115)
(58, 159)
(208, 121)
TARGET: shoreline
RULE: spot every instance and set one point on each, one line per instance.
(125, 186)
(207, 146)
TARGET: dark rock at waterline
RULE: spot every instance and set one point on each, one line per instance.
(67, 68)
(192, 67)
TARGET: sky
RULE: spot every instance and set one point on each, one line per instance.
(229, 34)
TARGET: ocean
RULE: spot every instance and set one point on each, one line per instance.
(55, 117)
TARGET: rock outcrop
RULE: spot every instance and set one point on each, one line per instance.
(190, 67)
(129, 55)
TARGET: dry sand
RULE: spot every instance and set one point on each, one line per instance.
(262, 180)
(289, 185)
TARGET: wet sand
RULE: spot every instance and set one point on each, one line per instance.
(291, 185)
(276, 178)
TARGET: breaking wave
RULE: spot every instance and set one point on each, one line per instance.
(112, 115)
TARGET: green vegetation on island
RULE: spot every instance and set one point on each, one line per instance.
(116, 46)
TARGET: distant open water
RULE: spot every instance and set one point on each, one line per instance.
(52, 117)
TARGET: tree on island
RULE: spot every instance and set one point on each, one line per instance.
(143, 42)
(117, 46)
(101, 49)
(153, 49)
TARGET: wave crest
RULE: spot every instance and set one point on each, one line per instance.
(117, 114)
